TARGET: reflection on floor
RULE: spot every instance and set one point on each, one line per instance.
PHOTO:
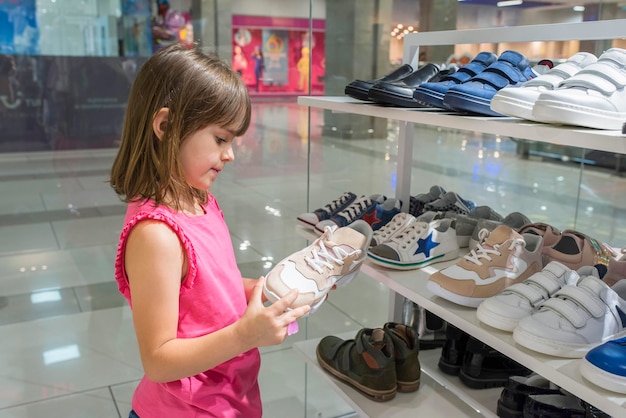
(67, 340)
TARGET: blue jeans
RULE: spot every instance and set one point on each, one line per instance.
(133, 414)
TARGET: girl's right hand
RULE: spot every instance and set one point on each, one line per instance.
(267, 325)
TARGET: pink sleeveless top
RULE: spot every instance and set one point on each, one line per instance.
(211, 297)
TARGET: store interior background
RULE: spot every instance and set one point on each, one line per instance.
(67, 66)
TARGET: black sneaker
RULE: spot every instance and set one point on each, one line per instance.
(400, 92)
(517, 389)
(406, 351)
(366, 363)
(483, 367)
(451, 201)
(563, 405)
(593, 412)
(453, 351)
(359, 89)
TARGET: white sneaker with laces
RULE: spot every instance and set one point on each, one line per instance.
(392, 228)
(595, 97)
(504, 310)
(575, 319)
(418, 245)
(333, 259)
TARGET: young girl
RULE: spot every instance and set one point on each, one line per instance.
(198, 323)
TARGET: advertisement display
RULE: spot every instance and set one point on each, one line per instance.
(279, 55)
(50, 103)
(276, 44)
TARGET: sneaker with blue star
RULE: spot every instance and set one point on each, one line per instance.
(418, 245)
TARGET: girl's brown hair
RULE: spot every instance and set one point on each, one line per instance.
(199, 90)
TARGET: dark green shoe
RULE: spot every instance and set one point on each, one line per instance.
(406, 351)
(366, 362)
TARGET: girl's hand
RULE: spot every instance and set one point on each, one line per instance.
(267, 325)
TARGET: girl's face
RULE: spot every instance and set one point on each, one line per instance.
(204, 154)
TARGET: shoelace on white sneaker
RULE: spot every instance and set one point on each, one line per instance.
(481, 252)
(410, 234)
(392, 227)
(323, 258)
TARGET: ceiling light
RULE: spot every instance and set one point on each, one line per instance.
(509, 3)
(579, 8)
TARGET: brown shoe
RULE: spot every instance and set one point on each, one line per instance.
(366, 363)
(406, 350)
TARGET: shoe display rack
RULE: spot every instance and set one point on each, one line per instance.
(412, 284)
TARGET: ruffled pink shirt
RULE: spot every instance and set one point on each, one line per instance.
(211, 297)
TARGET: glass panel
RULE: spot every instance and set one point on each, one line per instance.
(66, 68)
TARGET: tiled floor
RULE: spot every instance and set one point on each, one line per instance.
(68, 347)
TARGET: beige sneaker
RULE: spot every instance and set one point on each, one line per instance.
(504, 258)
(331, 260)
(575, 250)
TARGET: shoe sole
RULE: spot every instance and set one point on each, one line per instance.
(512, 107)
(602, 378)
(505, 412)
(407, 387)
(556, 348)
(448, 368)
(437, 290)
(429, 98)
(466, 103)
(412, 266)
(565, 113)
(393, 99)
(356, 93)
(495, 320)
(373, 394)
(482, 383)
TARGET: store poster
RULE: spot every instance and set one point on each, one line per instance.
(285, 44)
(60, 103)
(275, 46)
